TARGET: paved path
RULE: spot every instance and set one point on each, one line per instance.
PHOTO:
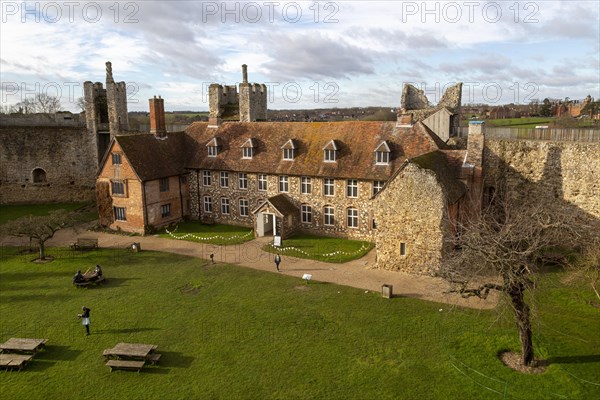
(358, 273)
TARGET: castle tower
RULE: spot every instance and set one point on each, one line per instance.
(253, 99)
(116, 96)
(96, 116)
(157, 117)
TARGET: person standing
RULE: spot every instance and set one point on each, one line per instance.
(277, 261)
(85, 319)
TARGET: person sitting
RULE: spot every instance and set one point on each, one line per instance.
(98, 271)
(78, 278)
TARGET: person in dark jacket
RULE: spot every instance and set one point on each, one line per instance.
(78, 278)
(85, 319)
(277, 261)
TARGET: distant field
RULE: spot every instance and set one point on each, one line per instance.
(10, 212)
(520, 122)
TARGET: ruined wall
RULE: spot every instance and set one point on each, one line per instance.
(66, 155)
(253, 102)
(563, 176)
(59, 119)
(116, 97)
(411, 210)
(316, 200)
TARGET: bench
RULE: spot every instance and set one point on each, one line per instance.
(85, 244)
(100, 279)
(153, 358)
(14, 360)
(125, 364)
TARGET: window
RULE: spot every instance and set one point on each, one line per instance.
(39, 175)
(212, 151)
(330, 155)
(402, 249)
(120, 214)
(328, 218)
(244, 212)
(352, 217)
(207, 204)
(306, 213)
(306, 185)
(248, 152)
(224, 205)
(213, 147)
(164, 184)
(116, 159)
(165, 210)
(283, 184)
(382, 154)
(328, 186)
(377, 186)
(352, 188)
(288, 154)
(224, 179)
(262, 182)
(118, 188)
(206, 178)
(242, 180)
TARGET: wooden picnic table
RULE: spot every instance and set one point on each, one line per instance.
(22, 344)
(131, 350)
(14, 360)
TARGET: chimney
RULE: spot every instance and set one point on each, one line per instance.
(473, 165)
(244, 73)
(157, 117)
(405, 120)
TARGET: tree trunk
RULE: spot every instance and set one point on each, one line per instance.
(522, 317)
(42, 250)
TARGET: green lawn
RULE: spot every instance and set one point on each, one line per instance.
(531, 122)
(334, 250)
(10, 212)
(196, 231)
(234, 333)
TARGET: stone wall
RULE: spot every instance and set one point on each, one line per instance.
(255, 197)
(59, 119)
(411, 210)
(253, 102)
(66, 155)
(563, 176)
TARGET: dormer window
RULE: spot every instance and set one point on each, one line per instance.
(213, 147)
(248, 149)
(382, 154)
(288, 150)
(330, 151)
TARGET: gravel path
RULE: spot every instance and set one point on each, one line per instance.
(358, 273)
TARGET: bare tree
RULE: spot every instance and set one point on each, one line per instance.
(498, 250)
(80, 102)
(41, 228)
(45, 103)
(587, 267)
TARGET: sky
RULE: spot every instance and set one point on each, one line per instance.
(317, 54)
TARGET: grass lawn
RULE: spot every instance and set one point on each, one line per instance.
(10, 212)
(335, 250)
(234, 333)
(531, 122)
(196, 231)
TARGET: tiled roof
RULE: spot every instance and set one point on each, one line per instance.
(281, 203)
(356, 142)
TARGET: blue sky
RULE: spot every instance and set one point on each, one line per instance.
(349, 53)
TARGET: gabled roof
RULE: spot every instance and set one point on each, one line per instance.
(289, 144)
(214, 142)
(331, 146)
(383, 147)
(353, 160)
(249, 143)
(281, 203)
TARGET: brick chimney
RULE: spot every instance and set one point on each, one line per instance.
(244, 73)
(157, 117)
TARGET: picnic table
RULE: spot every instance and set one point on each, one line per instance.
(23, 345)
(14, 360)
(131, 356)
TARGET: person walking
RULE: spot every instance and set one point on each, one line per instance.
(85, 319)
(277, 262)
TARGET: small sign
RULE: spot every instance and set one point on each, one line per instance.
(307, 277)
(277, 241)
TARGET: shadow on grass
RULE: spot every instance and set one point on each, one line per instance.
(407, 296)
(54, 352)
(37, 364)
(594, 358)
(122, 330)
(155, 370)
(175, 360)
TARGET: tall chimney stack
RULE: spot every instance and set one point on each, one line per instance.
(244, 73)
(157, 117)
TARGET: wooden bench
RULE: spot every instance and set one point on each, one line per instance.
(125, 364)
(101, 279)
(85, 244)
(153, 358)
(14, 360)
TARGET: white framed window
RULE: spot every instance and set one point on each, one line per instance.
(262, 182)
(288, 150)
(329, 156)
(329, 186)
(242, 180)
(117, 188)
(330, 151)
(224, 205)
(283, 184)
(212, 151)
(306, 185)
(165, 210)
(120, 214)
(306, 213)
(352, 217)
(224, 181)
(288, 154)
(206, 178)
(328, 216)
(207, 204)
(247, 152)
(382, 154)
(352, 188)
(244, 209)
(377, 186)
